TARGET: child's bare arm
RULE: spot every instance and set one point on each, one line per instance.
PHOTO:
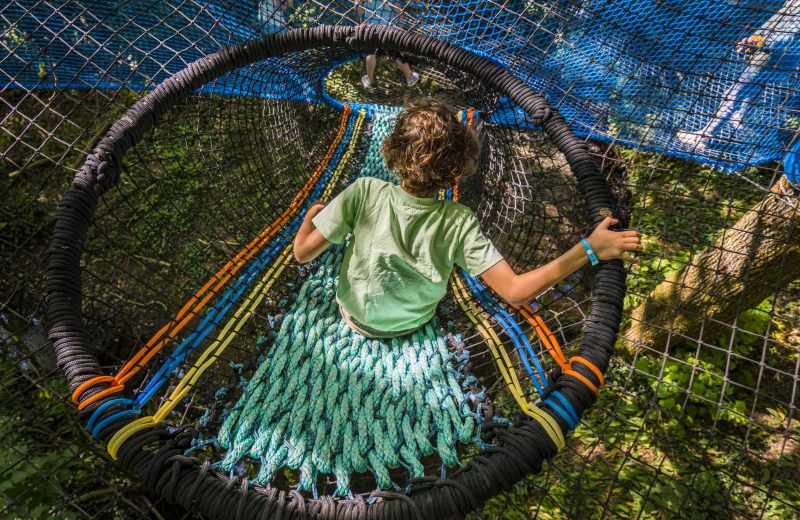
(518, 289)
(309, 242)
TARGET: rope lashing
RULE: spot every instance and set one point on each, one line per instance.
(240, 316)
(95, 426)
(504, 363)
(188, 345)
(510, 326)
(337, 175)
(196, 303)
(496, 346)
(550, 342)
(207, 358)
(556, 399)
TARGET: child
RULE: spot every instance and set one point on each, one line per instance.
(381, 12)
(773, 54)
(405, 242)
(368, 80)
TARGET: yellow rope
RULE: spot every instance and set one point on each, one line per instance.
(232, 327)
(504, 363)
(496, 346)
(195, 304)
(208, 357)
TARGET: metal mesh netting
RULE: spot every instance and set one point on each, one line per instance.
(698, 414)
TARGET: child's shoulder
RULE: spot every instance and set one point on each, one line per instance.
(459, 210)
(371, 183)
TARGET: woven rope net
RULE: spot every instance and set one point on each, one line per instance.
(159, 158)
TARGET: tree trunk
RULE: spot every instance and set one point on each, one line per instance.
(748, 263)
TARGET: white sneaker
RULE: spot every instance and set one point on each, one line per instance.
(694, 140)
(414, 79)
(366, 81)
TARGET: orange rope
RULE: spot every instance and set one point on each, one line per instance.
(549, 341)
(588, 364)
(545, 335)
(154, 345)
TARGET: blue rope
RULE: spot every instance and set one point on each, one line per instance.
(230, 297)
(567, 413)
(513, 330)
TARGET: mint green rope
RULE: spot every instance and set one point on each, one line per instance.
(328, 400)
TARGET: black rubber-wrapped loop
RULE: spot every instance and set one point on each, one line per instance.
(519, 449)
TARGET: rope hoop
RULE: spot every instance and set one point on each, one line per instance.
(157, 455)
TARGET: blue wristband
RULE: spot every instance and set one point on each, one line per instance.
(590, 252)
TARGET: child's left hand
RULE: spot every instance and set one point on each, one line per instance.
(608, 244)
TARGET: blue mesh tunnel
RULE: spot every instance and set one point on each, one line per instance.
(159, 158)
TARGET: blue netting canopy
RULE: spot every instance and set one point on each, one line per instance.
(651, 74)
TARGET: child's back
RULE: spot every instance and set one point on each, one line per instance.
(402, 252)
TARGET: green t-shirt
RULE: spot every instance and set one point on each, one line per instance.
(396, 267)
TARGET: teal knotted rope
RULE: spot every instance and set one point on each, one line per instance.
(328, 400)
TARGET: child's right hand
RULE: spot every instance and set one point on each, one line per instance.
(608, 244)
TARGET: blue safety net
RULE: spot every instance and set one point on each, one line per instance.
(665, 75)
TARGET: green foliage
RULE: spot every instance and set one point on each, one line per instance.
(14, 37)
(49, 467)
(680, 208)
(693, 389)
(687, 434)
(24, 490)
(711, 384)
(37, 459)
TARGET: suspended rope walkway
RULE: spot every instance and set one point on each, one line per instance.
(324, 400)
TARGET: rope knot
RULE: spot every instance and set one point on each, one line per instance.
(114, 386)
(541, 115)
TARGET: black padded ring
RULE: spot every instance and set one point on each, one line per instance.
(519, 450)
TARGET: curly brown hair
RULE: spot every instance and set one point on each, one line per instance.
(428, 148)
